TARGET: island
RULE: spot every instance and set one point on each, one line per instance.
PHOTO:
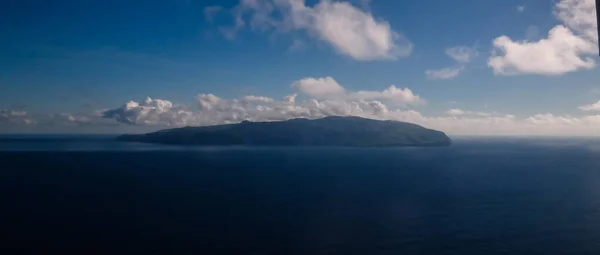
(347, 131)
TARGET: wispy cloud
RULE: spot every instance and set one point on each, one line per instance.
(210, 12)
(443, 74)
(461, 55)
(298, 45)
(459, 112)
(15, 117)
(595, 91)
(591, 107)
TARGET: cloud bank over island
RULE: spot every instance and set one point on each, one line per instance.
(320, 97)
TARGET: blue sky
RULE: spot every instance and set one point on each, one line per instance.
(71, 66)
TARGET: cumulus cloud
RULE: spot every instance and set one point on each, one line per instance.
(325, 97)
(579, 16)
(328, 88)
(214, 110)
(521, 8)
(443, 74)
(348, 29)
(591, 107)
(217, 110)
(319, 87)
(566, 49)
(402, 96)
(15, 117)
(152, 112)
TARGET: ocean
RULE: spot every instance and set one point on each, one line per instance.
(93, 195)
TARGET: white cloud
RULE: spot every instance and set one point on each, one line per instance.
(591, 107)
(459, 112)
(328, 88)
(215, 110)
(558, 54)
(212, 110)
(229, 111)
(356, 33)
(521, 8)
(325, 87)
(507, 124)
(455, 112)
(152, 112)
(15, 117)
(402, 96)
(443, 74)
(290, 99)
(335, 100)
(579, 16)
(12, 113)
(258, 99)
(348, 29)
(566, 49)
(325, 97)
(462, 54)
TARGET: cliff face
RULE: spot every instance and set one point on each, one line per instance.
(328, 131)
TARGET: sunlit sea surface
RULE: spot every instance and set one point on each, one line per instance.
(93, 195)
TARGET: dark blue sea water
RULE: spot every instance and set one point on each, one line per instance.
(91, 195)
